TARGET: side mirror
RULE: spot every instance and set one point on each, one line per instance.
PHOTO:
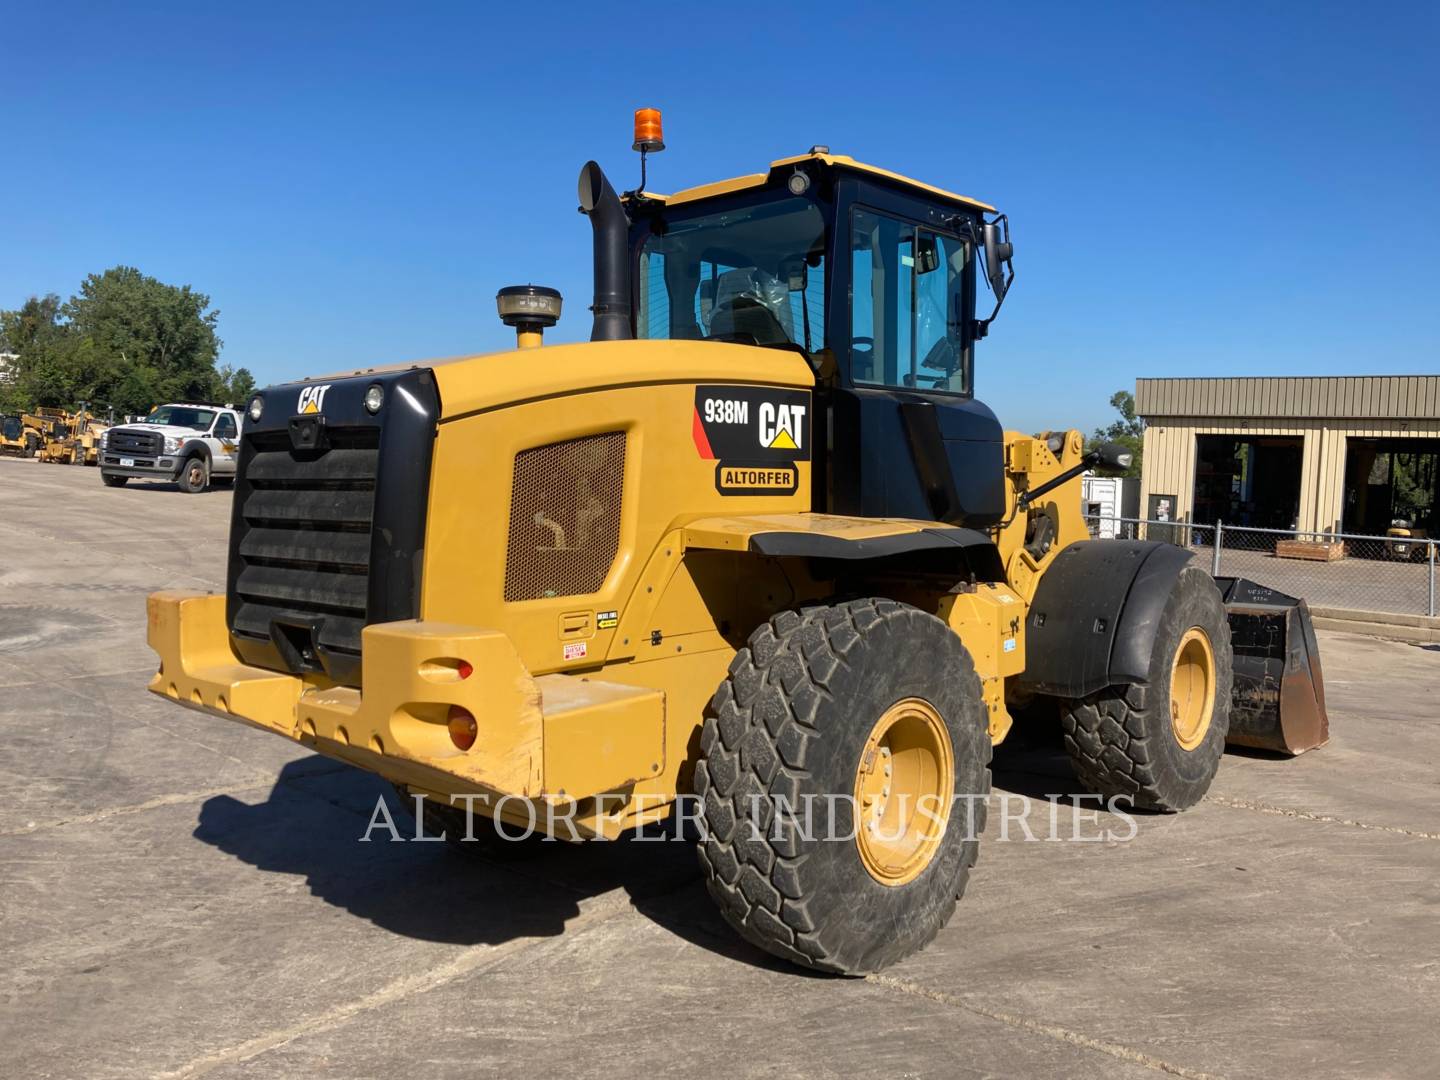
(1113, 456)
(927, 254)
(998, 253)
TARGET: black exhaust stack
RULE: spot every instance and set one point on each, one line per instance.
(599, 202)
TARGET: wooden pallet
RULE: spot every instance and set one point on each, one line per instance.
(1314, 550)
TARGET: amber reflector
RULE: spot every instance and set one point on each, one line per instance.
(648, 133)
(462, 727)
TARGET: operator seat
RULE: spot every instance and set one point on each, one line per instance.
(739, 313)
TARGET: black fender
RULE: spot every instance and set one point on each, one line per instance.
(199, 450)
(1095, 614)
(940, 547)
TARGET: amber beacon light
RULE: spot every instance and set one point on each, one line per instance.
(649, 135)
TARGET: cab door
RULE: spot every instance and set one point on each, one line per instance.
(226, 434)
(907, 439)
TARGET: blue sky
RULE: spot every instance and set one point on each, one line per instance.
(1194, 189)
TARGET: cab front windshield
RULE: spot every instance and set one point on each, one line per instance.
(11, 427)
(182, 416)
(755, 276)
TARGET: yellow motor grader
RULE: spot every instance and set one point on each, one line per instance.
(756, 552)
(58, 426)
(53, 426)
(71, 438)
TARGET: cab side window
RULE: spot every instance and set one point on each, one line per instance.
(224, 427)
(907, 305)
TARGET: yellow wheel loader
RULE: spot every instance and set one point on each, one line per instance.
(755, 557)
(87, 439)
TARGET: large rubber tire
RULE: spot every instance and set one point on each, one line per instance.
(194, 476)
(791, 720)
(488, 841)
(1121, 740)
(113, 481)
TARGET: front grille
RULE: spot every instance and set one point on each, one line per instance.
(565, 517)
(302, 538)
(135, 443)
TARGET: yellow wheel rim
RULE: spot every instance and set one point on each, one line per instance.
(1192, 688)
(904, 785)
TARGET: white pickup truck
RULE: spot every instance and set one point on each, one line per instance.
(192, 444)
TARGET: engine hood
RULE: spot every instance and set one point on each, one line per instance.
(475, 384)
(172, 431)
(484, 381)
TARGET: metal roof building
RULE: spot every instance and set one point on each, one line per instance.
(1321, 454)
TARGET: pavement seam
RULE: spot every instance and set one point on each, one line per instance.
(1052, 1031)
(1308, 815)
(190, 740)
(180, 797)
(477, 958)
(149, 669)
(156, 803)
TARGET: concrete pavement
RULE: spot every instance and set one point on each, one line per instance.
(182, 896)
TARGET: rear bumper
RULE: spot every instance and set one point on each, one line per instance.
(553, 737)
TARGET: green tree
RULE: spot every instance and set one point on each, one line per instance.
(1413, 495)
(236, 386)
(148, 341)
(1128, 430)
(41, 345)
(124, 339)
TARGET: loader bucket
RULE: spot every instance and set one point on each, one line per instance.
(1278, 698)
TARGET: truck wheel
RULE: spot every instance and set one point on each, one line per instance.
(113, 481)
(450, 820)
(844, 766)
(1160, 742)
(194, 476)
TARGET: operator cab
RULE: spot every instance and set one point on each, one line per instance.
(873, 278)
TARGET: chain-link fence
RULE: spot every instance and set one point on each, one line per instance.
(1363, 573)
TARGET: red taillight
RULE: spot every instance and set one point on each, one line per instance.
(462, 727)
(465, 668)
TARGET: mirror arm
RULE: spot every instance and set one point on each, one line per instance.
(981, 327)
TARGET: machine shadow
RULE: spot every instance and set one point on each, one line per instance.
(1032, 761)
(313, 819)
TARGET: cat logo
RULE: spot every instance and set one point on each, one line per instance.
(782, 427)
(312, 399)
(751, 425)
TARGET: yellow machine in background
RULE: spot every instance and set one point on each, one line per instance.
(71, 438)
(22, 435)
(58, 446)
(1407, 540)
(755, 556)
